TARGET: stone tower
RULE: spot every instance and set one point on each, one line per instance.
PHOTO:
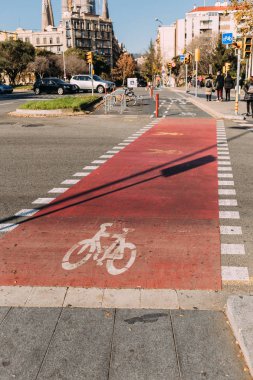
(47, 14)
(105, 10)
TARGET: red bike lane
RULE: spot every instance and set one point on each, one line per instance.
(147, 218)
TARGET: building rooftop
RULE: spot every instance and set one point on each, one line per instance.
(210, 9)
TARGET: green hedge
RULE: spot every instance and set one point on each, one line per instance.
(74, 103)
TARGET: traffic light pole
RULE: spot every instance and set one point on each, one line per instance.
(196, 89)
(92, 81)
(237, 81)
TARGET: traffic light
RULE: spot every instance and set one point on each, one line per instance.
(89, 57)
(247, 47)
(227, 67)
(236, 45)
(187, 59)
(169, 65)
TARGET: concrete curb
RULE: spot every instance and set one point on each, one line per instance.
(239, 311)
(208, 109)
(46, 113)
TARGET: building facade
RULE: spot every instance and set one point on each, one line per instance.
(80, 27)
(204, 21)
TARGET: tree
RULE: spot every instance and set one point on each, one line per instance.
(207, 48)
(152, 65)
(40, 66)
(125, 67)
(15, 57)
(221, 55)
(243, 15)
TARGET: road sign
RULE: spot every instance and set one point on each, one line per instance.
(227, 38)
(173, 64)
(181, 58)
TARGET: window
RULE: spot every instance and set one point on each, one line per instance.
(27, 39)
(58, 40)
(44, 41)
(50, 40)
(37, 41)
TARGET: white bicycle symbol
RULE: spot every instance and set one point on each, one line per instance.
(115, 251)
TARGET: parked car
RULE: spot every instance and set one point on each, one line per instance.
(53, 85)
(142, 83)
(84, 83)
(5, 89)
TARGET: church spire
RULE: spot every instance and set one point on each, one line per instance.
(105, 11)
(47, 14)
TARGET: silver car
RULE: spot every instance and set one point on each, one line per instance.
(84, 83)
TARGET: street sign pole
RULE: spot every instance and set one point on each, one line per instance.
(186, 77)
(237, 82)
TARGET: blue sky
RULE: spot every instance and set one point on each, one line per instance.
(134, 20)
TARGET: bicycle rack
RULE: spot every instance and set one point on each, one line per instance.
(115, 100)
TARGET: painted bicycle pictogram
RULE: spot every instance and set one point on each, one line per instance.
(117, 251)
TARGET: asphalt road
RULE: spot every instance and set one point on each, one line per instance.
(38, 154)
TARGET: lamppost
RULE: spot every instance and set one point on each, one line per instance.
(163, 71)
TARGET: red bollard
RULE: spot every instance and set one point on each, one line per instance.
(157, 105)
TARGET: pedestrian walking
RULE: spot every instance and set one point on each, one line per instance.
(228, 85)
(248, 89)
(219, 85)
(209, 87)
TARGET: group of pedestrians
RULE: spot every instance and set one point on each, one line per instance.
(219, 84)
(226, 83)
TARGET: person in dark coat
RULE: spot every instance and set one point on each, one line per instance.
(209, 87)
(219, 85)
(248, 89)
(228, 85)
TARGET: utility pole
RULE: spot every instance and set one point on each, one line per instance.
(237, 81)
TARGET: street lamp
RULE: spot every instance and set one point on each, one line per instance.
(157, 19)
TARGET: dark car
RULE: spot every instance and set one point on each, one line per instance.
(5, 89)
(54, 85)
(142, 83)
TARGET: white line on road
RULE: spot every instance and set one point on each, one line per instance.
(99, 161)
(231, 230)
(81, 174)
(229, 215)
(232, 249)
(235, 274)
(92, 167)
(227, 192)
(27, 212)
(58, 190)
(228, 202)
(6, 227)
(225, 175)
(40, 201)
(226, 183)
(225, 169)
(70, 182)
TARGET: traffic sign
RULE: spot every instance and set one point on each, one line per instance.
(173, 64)
(227, 38)
(181, 58)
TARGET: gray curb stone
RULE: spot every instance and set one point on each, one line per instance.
(239, 311)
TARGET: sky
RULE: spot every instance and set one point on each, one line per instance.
(134, 20)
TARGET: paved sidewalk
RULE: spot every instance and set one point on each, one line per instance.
(217, 109)
(88, 344)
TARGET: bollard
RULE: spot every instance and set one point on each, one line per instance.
(157, 105)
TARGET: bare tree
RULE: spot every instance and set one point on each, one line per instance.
(207, 48)
(243, 15)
